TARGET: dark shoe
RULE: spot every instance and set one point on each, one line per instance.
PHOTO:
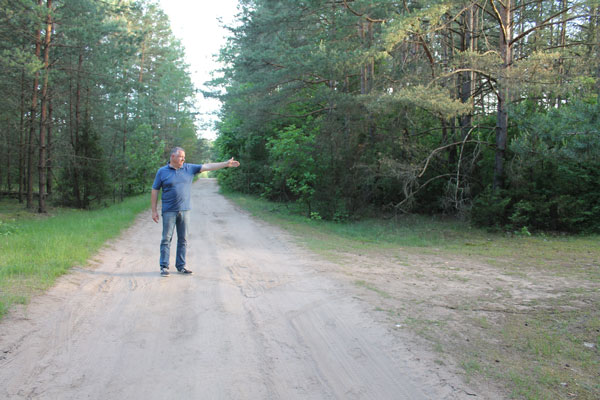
(184, 271)
(164, 272)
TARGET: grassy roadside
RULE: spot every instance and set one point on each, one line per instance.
(535, 333)
(36, 249)
(430, 235)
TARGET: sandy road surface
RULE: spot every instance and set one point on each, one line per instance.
(255, 321)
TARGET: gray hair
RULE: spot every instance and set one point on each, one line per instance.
(176, 150)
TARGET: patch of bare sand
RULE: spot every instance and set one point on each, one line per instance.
(451, 303)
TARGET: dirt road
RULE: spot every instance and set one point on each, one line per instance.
(257, 320)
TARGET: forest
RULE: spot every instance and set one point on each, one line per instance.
(485, 110)
(94, 93)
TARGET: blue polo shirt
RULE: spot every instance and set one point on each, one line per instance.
(176, 185)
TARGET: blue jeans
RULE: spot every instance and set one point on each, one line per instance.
(172, 220)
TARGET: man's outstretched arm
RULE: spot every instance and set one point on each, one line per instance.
(225, 164)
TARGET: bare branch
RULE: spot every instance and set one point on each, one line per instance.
(456, 71)
(397, 206)
(278, 66)
(544, 23)
(362, 15)
(499, 17)
(306, 114)
(445, 147)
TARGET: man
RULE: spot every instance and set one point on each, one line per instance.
(176, 179)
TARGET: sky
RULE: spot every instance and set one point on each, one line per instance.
(196, 24)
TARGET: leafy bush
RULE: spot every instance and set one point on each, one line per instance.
(490, 209)
(293, 164)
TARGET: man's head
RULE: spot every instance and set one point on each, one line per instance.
(177, 157)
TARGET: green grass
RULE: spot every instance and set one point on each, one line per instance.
(375, 289)
(36, 249)
(563, 255)
(549, 351)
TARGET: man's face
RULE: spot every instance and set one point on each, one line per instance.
(177, 159)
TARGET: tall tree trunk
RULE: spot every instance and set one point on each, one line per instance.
(467, 78)
(143, 55)
(22, 149)
(44, 115)
(448, 136)
(32, 116)
(8, 149)
(49, 157)
(595, 46)
(140, 89)
(562, 44)
(504, 15)
(76, 132)
(363, 29)
(4, 147)
(124, 143)
(87, 155)
(536, 43)
(367, 72)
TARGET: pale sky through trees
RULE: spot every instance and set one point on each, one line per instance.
(196, 24)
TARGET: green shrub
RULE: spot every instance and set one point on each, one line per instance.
(553, 178)
(490, 209)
